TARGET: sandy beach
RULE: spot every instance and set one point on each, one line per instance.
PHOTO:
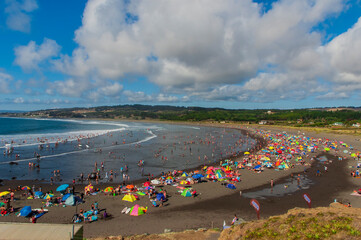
(215, 203)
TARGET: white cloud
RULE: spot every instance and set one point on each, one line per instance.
(344, 53)
(19, 100)
(200, 46)
(5, 80)
(334, 95)
(17, 12)
(29, 57)
(111, 89)
(205, 50)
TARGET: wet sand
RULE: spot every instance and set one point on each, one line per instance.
(214, 204)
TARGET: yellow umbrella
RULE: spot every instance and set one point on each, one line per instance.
(247, 153)
(4, 193)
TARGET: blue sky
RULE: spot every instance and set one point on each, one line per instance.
(230, 54)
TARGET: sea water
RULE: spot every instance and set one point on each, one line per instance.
(74, 146)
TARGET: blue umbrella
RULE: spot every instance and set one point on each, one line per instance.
(62, 188)
(257, 167)
(196, 176)
(66, 196)
(25, 211)
(39, 194)
(231, 186)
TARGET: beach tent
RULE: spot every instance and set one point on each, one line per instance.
(25, 211)
(230, 186)
(62, 188)
(160, 197)
(186, 193)
(72, 200)
(129, 198)
(137, 210)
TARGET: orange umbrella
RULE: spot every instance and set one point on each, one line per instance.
(130, 186)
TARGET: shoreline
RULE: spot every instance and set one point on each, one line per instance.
(215, 203)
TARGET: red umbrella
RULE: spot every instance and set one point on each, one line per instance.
(146, 184)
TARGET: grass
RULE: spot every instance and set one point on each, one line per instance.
(321, 225)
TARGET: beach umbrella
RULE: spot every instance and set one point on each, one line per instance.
(66, 196)
(197, 176)
(247, 153)
(89, 188)
(25, 188)
(257, 167)
(345, 151)
(129, 198)
(141, 193)
(155, 181)
(130, 186)
(185, 174)
(230, 186)
(184, 182)
(4, 193)
(146, 184)
(160, 197)
(327, 149)
(62, 188)
(148, 188)
(219, 175)
(48, 196)
(109, 189)
(38, 194)
(353, 155)
(186, 193)
(25, 211)
(169, 181)
(170, 177)
(137, 210)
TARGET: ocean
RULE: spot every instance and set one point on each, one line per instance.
(74, 146)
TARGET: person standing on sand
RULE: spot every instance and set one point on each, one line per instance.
(271, 184)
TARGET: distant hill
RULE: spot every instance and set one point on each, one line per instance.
(314, 117)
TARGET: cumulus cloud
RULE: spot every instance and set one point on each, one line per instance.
(189, 49)
(29, 57)
(203, 50)
(18, 14)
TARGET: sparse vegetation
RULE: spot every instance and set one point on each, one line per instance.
(317, 223)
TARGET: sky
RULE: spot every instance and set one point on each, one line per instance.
(210, 53)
